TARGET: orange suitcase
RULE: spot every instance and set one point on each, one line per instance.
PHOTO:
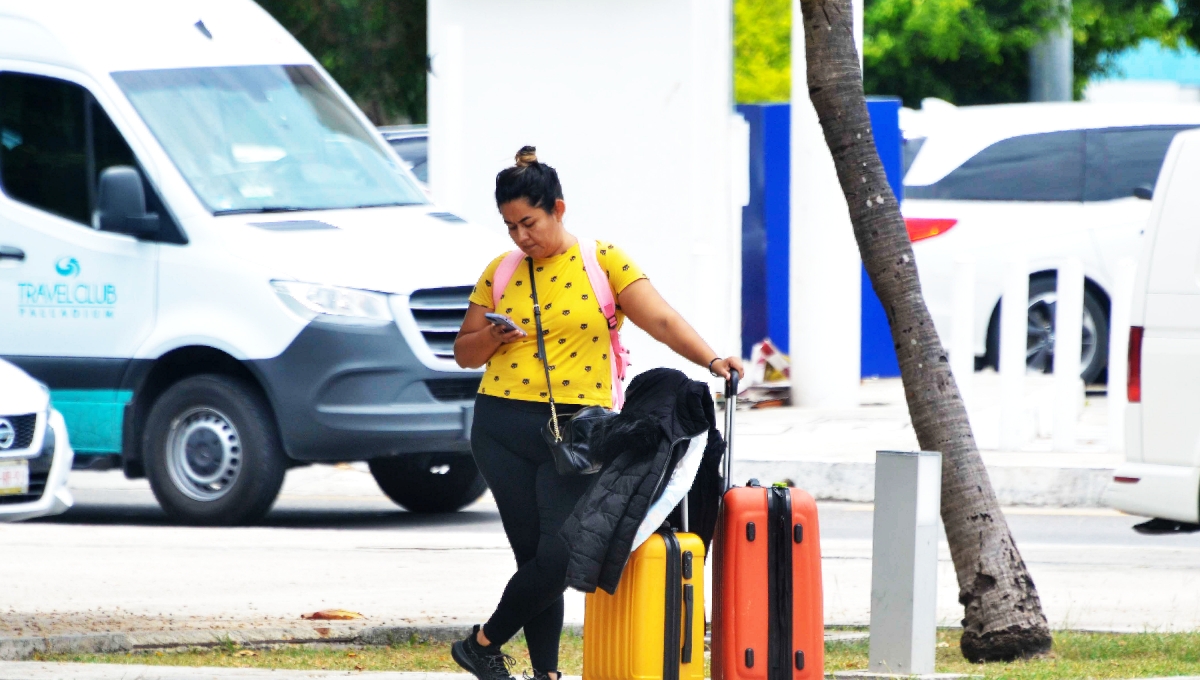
(768, 621)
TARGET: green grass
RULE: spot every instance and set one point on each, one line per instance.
(1075, 655)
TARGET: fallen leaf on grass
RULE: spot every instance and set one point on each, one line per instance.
(245, 652)
(351, 653)
(332, 615)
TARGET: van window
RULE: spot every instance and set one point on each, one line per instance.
(1120, 159)
(256, 139)
(46, 160)
(43, 145)
(1041, 167)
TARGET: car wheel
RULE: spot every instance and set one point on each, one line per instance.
(429, 482)
(1043, 298)
(212, 452)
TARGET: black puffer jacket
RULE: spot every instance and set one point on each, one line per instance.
(663, 410)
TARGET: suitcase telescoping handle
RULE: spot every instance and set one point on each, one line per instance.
(731, 391)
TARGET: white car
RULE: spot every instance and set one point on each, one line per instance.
(1043, 182)
(1161, 474)
(35, 454)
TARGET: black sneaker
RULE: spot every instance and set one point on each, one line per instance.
(485, 663)
(538, 675)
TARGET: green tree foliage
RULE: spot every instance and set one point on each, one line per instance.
(963, 51)
(375, 49)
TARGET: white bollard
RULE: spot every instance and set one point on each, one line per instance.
(1118, 352)
(1014, 334)
(1068, 341)
(962, 330)
(908, 491)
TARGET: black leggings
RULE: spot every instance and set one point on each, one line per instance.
(534, 501)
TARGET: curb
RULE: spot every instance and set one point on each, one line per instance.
(24, 648)
(1029, 485)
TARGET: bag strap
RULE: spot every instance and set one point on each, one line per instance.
(618, 357)
(541, 345)
(504, 273)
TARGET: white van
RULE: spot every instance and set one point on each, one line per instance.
(218, 265)
(1161, 474)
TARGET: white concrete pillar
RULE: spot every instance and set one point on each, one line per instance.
(908, 490)
(962, 330)
(1014, 326)
(446, 118)
(825, 289)
(1118, 352)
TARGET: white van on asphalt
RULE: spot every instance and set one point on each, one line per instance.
(217, 264)
(1040, 182)
(1161, 474)
(35, 452)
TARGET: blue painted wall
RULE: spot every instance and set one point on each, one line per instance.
(766, 229)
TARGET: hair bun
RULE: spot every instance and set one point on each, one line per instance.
(527, 156)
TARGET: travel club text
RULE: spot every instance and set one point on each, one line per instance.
(80, 294)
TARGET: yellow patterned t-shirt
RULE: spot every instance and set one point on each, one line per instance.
(575, 330)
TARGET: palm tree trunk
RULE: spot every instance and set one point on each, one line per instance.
(1003, 616)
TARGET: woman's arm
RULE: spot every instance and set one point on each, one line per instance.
(478, 339)
(644, 306)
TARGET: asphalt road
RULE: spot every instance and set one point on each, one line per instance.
(114, 562)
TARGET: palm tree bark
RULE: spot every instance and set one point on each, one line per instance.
(1003, 616)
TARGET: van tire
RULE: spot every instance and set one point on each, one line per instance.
(423, 483)
(212, 452)
(1094, 306)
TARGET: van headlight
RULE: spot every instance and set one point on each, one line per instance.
(335, 304)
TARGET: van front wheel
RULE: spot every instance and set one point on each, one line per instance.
(212, 453)
(432, 482)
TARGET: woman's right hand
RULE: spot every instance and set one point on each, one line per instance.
(478, 339)
(502, 336)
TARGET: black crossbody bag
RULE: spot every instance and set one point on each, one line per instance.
(571, 443)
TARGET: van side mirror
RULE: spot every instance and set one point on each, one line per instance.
(1144, 192)
(121, 204)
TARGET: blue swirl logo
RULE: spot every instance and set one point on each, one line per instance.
(67, 266)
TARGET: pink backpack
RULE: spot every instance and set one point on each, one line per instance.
(618, 358)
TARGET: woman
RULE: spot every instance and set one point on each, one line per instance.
(512, 404)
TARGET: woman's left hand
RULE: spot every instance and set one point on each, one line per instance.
(722, 367)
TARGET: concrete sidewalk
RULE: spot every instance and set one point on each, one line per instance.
(831, 453)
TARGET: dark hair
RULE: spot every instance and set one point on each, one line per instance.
(529, 179)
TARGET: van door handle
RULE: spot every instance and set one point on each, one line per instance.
(11, 253)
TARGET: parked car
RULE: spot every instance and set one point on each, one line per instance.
(213, 260)
(411, 142)
(1041, 181)
(35, 451)
(1160, 477)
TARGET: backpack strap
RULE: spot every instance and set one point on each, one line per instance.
(618, 357)
(504, 273)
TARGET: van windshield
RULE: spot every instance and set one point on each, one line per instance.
(253, 139)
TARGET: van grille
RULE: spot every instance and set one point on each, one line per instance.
(453, 389)
(24, 427)
(439, 313)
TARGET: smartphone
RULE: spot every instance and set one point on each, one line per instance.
(503, 322)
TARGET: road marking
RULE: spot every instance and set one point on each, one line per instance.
(846, 506)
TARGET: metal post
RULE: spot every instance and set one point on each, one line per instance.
(908, 488)
(1068, 342)
(1118, 353)
(1051, 62)
(1014, 331)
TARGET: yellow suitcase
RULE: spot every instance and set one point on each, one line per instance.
(652, 628)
